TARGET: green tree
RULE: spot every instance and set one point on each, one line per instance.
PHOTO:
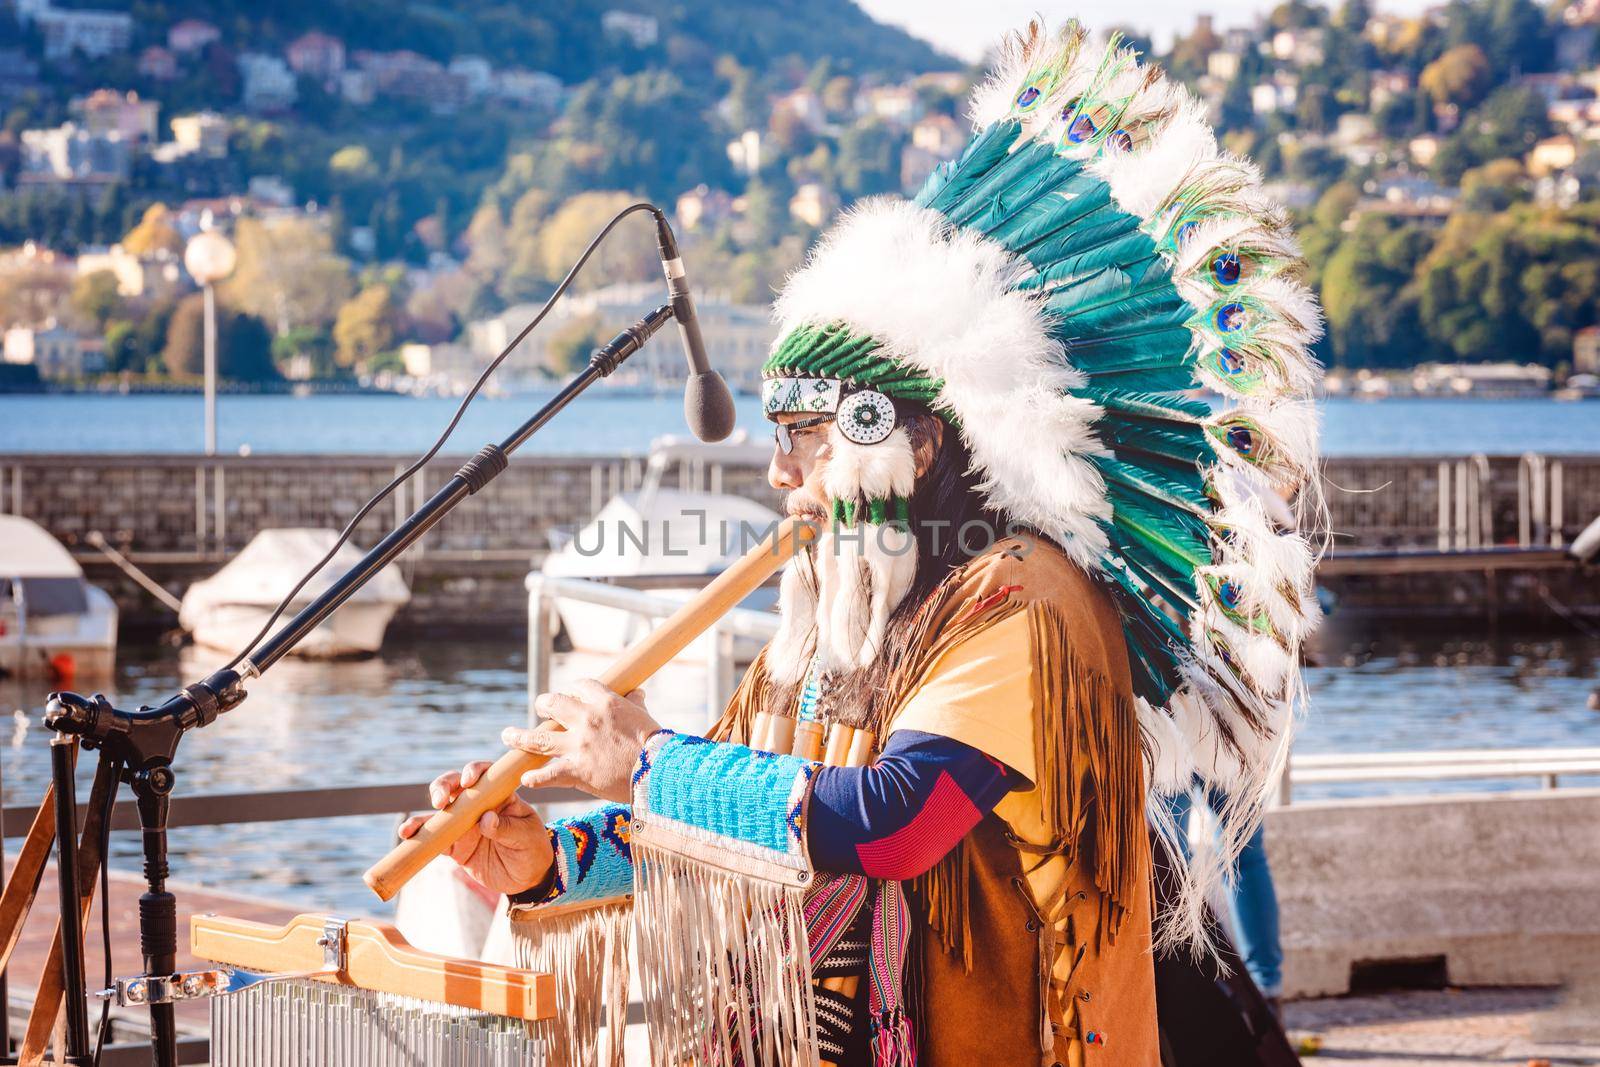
(1460, 77)
(1493, 187)
(367, 325)
(1368, 295)
(96, 299)
(155, 233)
(314, 343)
(869, 159)
(244, 346)
(1508, 124)
(569, 346)
(287, 274)
(628, 255)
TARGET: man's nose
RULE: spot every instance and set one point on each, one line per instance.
(783, 472)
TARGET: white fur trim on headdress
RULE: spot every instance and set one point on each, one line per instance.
(941, 299)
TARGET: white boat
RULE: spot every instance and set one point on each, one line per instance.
(53, 624)
(654, 534)
(228, 609)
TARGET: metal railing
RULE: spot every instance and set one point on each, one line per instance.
(717, 645)
(1548, 765)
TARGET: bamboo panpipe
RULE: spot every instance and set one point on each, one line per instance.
(627, 673)
(759, 730)
(808, 740)
(780, 734)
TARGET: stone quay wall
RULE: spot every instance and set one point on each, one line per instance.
(181, 516)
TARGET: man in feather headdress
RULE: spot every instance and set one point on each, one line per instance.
(1043, 586)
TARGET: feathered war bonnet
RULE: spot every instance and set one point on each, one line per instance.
(1058, 294)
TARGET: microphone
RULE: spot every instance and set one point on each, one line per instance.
(707, 404)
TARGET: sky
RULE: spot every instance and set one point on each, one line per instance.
(966, 28)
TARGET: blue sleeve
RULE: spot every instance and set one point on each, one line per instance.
(901, 814)
(593, 859)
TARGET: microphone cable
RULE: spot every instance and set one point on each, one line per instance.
(426, 457)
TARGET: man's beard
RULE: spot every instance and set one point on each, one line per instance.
(836, 599)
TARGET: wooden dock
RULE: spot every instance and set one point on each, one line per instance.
(28, 961)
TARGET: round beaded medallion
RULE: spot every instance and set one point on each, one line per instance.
(867, 417)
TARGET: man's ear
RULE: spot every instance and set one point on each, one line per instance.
(927, 439)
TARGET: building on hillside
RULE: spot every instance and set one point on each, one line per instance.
(1562, 190)
(107, 111)
(355, 87)
(407, 75)
(1552, 154)
(55, 351)
(939, 134)
(1495, 381)
(703, 206)
(898, 105)
(69, 155)
(737, 336)
(269, 84)
(191, 35)
(138, 277)
(1386, 85)
(158, 64)
(204, 133)
(535, 87)
(744, 152)
(1550, 86)
(805, 106)
(1281, 92)
(316, 55)
(94, 34)
(1303, 47)
(1579, 116)
(1223, 65)
(1406, 196)
(1586, 351)
(1422, 149)
(934, 139)
(813, 204)
(475, 72)
(641, 30)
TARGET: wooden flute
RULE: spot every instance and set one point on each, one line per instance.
(627, 673)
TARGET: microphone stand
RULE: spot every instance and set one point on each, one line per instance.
(144, 742)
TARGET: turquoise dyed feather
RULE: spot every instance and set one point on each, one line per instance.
(982, 153)
(1162, 488)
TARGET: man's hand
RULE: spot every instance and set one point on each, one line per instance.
(592, 736)
(508, 850)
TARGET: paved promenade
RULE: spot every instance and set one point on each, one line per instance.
(1450, 1028)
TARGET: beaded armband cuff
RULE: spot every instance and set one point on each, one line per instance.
(594, 859)
(724, 805)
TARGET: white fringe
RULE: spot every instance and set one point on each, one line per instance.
(586, 948)
(724, 964)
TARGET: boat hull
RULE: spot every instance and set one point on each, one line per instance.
(354, 630)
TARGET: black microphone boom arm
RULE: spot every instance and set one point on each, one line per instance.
(144, 742)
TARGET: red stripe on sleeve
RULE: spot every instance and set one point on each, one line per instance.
(916, 847)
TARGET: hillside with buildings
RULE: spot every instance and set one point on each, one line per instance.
(404, 185)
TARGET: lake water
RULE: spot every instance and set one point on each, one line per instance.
(608, 421)
(428, 706)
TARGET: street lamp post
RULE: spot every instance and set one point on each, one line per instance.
(210, 258)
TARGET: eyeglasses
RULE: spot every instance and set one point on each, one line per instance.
(783, 432)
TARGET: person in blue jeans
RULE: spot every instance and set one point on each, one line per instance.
(1252, 900)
